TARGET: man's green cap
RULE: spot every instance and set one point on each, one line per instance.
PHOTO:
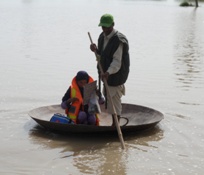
(106, 20)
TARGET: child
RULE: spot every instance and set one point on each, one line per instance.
(72, 101)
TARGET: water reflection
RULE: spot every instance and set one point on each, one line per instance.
(94, 154)
(189, 50)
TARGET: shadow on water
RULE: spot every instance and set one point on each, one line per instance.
(91, 140)
(101, 150)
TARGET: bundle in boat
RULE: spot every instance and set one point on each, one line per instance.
(59, 118)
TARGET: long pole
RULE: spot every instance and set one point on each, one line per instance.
(111, 101)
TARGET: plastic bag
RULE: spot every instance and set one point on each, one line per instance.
(59, 118)
(94, 107)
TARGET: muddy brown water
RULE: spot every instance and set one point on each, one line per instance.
(44, 43)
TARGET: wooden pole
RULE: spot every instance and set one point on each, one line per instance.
(111, 101)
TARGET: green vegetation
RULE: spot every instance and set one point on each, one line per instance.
(186, 4)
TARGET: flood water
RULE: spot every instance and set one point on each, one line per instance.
(43, 43)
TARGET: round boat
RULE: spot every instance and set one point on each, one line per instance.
(133, 118)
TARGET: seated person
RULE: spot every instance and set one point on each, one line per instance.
(72, 101)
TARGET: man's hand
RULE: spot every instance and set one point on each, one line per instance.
(105, 76)
(93, 47)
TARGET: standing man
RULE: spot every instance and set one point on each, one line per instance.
(113, 49)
